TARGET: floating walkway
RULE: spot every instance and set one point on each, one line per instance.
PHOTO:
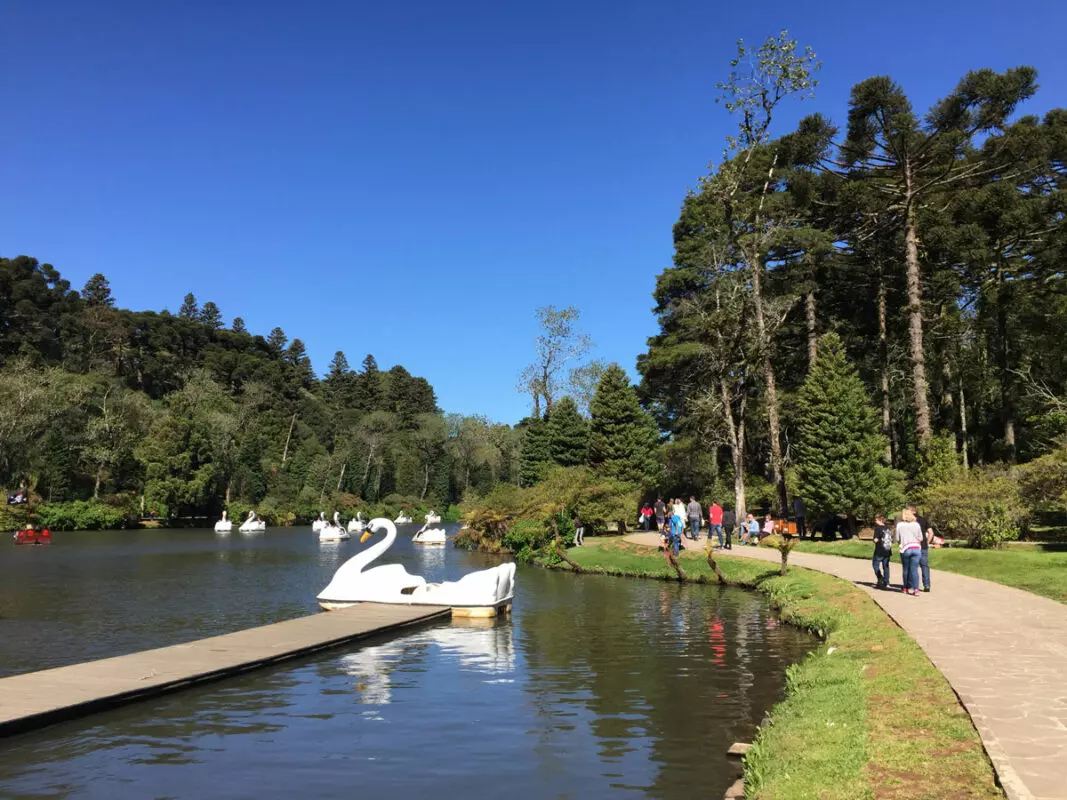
(36, 699)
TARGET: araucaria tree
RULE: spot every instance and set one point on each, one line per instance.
(839, 448)
(623, 437)
(568, 434)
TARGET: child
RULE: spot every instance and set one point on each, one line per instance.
(768, 526)
(883, 549)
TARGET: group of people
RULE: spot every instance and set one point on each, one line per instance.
(914, 535)
(676, 520)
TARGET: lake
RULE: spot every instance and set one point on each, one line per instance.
(595, 686)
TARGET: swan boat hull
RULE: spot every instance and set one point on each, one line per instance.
(498, 609)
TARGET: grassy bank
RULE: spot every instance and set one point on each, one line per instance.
(1041, 569)
(867, 715)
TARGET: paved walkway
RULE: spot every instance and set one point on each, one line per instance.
(35, 699)
(1003, 650)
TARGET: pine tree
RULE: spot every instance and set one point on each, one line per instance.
(623, 438)
(211, 316)
(97, 291)
(296, 356)
(239, 325)
(189, 309)
(338, 366)
(568, 434)
(277, 340)
(534, 453)
(367, 387)
(839, 448)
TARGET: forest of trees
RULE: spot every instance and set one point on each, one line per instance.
(101, 403)
(932, 244)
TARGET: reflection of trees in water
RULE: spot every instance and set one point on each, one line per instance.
(677, 671)
(478, 646)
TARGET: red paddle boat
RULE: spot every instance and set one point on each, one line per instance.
(31, 536)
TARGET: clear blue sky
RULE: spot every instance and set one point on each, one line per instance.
(414, 179)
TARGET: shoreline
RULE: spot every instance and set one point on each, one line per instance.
(843, 729)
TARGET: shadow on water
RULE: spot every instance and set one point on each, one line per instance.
(597, 685)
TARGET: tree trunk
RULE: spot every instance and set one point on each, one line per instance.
(770, 387)
(99, 480)
(963, 428)
(923, 429)
(341, 477)
(1007, 396)
(710, 552)
(813, 339)
(289, 436)
(366, 470)
(673, 561)
(229, 486)
(425, 481)
(883, 368)
(735, 430)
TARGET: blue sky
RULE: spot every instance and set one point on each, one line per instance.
(414, 179)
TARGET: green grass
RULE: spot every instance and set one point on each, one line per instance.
(867, 715)
(1041, 569)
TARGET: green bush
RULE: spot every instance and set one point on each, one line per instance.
(527, 539)
(982, 506)
(1043, 482)
(80, 515)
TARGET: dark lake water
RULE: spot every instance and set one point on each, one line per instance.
(596, 686)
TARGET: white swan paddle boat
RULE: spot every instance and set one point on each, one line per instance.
(320, 522)
(485, 593)
(356, 524)
(432, 518)
(335, 531)
(431, 536)
(252, 524)
(224, 525)
(402, 520)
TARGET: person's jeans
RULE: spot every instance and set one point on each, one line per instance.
(647, 522)
(800, 527)
(881, 569)
(715, 529)
(694, 527)
(909, 562)
(924, 566)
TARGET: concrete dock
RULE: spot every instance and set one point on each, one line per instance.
(36, 699)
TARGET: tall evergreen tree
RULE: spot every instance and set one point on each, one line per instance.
(535, 455)
(296, 356)
(97, 291)
(338, 366)
(367, 387)
(623, 437)
(839, 448)
(277, 340)
(239, 325)
(211, 316)
(568, 434)
(189, 309)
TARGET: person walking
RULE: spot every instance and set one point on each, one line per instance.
(646, 515)
(924, 547)
(908, 536)
(798, 515)
(661, 514)
(729, 522)
(715, 522)
(695, 514)
(579, 532)
(883, 550)
(676, 526)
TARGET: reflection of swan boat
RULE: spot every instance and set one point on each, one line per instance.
(484, 593)
(224, 525)
(430, 536)
(402, 520)
(333, 532)
(478, 645)
(252, 524)
(432, 518)
(356, 524)
(320, 522)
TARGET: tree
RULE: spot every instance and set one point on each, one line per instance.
(583, 381)
(558, 344)
(297, 358)
(428, 441)
(367, 386)
(535, 454)
(277, 340)
(120, 420)
(238, 325)
(211, 316)
(338, 366)
(97, 292)
(623, 437)
(839, 446)
(189, 309)
(568, 434)
(911, 162)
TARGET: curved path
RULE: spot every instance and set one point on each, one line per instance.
(1004, 651)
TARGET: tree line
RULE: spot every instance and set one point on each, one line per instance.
(180, 415)
(931, 245)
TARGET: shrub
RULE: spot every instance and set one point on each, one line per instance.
(982, 506)
(938, 463)
(80, 515)
(1043, 482)
(526, 539)
(783, 544)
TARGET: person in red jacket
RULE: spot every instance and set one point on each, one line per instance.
(715, 522)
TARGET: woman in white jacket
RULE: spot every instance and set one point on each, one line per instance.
(909, 536)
